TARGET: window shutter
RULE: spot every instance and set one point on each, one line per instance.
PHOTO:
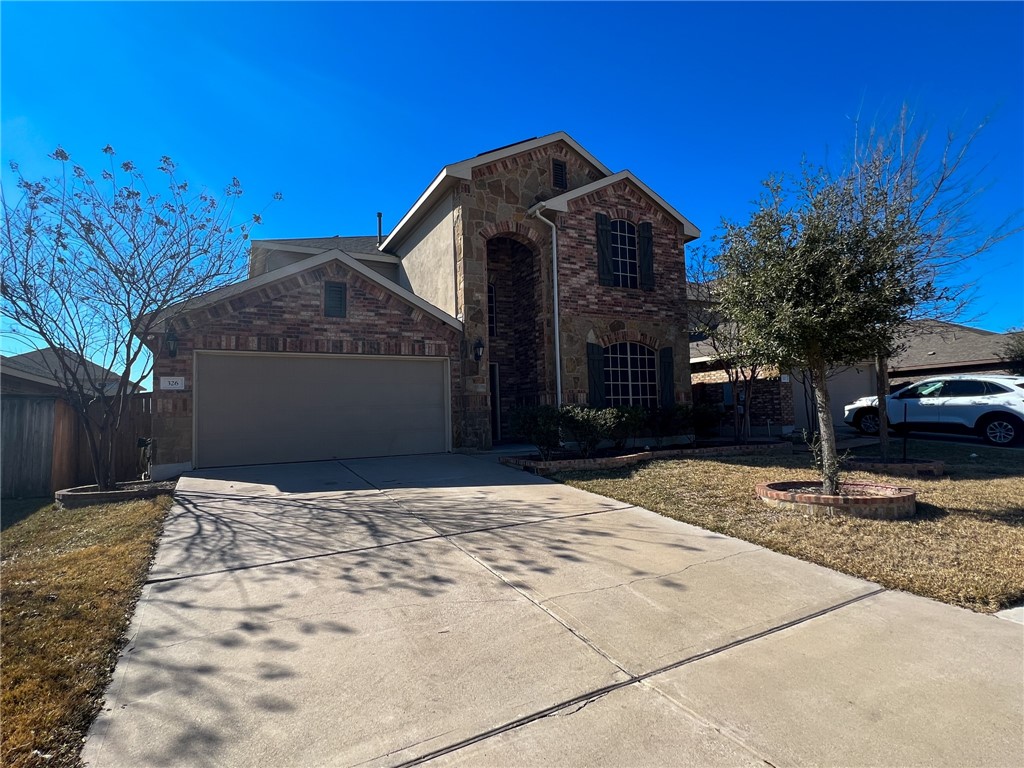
(666, 378)
(595, 374)
(335, 299)
(645, 255)
(605, 271)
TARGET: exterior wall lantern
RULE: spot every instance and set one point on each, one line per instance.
(171, 340)
(478, 350)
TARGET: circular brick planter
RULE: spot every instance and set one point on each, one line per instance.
(870, 500)
(910, 467)
(87, 495)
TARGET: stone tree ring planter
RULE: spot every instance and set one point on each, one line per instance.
(868, 500)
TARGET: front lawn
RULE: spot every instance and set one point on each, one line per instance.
(70, 582)
(965, 546)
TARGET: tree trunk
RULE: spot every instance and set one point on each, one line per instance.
(881, 390)
(829, 455)
(748, 396)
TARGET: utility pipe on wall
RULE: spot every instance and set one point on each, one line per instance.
(535, 212)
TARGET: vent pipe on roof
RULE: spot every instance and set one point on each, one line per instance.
(380, 228)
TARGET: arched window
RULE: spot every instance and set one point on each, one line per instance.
(630, 375)
(625, 264)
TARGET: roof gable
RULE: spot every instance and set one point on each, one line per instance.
(561, 203)
(463, 171)
(268, 278)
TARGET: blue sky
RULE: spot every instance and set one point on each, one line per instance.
(351, 108)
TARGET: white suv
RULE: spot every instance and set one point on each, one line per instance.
(991, 407)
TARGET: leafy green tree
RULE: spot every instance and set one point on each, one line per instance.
(800, 282)
(830, 268)
(92, 267)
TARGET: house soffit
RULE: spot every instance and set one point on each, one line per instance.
(463, 171)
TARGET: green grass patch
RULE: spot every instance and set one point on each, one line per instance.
(964, 547)
(70, 579)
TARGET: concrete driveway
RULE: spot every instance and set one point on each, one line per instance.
(445, 609)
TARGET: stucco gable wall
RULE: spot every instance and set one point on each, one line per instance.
(286, 316)
(428, 256)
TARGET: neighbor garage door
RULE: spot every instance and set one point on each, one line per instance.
(261, 409)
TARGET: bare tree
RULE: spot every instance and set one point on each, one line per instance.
(88, 266)
(732, 352)
(915, 205)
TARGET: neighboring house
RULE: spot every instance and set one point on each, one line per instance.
(931, 348)
(938, 348)
(38, 373)
(429, 339)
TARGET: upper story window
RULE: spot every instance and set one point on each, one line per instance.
(625, 253)
(335, 299)
(559, 174)
(492, 312)
(625, 266)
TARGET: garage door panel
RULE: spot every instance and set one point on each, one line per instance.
(253, 409)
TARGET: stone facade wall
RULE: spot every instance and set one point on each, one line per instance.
(287, 316)
(494, 204)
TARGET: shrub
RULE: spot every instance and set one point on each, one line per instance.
(705, 418)
(666, 422)
(627, 423)
(539, 424)
(588, 426)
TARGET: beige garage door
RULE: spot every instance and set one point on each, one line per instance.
(262, 409)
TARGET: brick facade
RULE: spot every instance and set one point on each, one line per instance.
(287, 316)
(771, 401)
(494, 242)
(493, 212)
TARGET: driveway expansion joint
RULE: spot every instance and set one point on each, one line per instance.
(597, 693)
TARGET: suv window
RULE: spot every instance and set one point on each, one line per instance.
(964, 388)
(996, 389)
(925, 389)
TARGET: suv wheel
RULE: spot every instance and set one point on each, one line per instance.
(1000, 429)
(866, 421)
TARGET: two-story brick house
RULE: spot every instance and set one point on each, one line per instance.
(527, 274)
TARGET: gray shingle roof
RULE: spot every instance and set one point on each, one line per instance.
(934, 344)
(353, 245)
(43, 363)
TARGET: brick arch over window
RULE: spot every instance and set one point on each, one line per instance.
(629, 334)
(519, 231)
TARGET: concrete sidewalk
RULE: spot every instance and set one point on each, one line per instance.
(451, 610)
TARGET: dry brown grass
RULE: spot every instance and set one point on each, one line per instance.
(70, 582)
(965, 546)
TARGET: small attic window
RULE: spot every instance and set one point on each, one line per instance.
(559, 174)
(335, 299)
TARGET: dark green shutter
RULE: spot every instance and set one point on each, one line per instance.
(645, 254)
(605, 271)
(666, 378)
(595, 375)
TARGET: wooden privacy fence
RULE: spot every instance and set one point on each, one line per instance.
(43, 447)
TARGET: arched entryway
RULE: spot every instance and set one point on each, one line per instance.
(515, 328)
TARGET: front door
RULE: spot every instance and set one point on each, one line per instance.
(495, 404)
